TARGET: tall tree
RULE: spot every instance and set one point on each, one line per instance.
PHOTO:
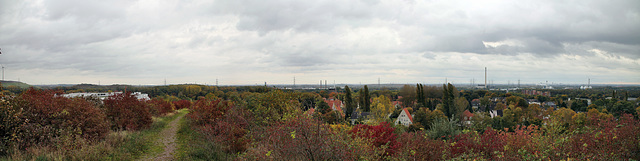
(420, 95)
(348, 102)
(361, 99)
(461, 104)
(408, 94)
(448, 100)
(381, 108)
(367, 99)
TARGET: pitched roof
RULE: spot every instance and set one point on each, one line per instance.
(477, 101)
(334, 104)
(408, 114)
(396, 103)
(358, 114)
(467, 114)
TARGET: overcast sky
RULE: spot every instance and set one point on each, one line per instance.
(244, 42)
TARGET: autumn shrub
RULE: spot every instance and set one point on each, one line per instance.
(222, 123)
(381, 135)
(181, 104)
(273, 107)
(126, 112)
(89, 119)
(304, 138)
(488, 145)
(47, 119)
(606, 139)
(9, 123)
(159, 107)
(443, 128)
(418, 146)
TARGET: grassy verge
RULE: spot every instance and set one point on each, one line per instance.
(151, 136)
(193, 146)
(120, 145)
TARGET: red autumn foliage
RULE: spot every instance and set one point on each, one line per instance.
(304, 138)
(45, 116)
(181, 104)
(493, 144)
(380, 134)
(221, 122)
(126, 112)
(605, 139)
(417, 146)
(159, 107)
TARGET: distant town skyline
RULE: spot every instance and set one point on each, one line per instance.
(252, 42)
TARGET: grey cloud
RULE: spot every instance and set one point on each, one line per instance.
(280, 15)
(184, 38)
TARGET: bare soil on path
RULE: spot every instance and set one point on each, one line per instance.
(168, 138)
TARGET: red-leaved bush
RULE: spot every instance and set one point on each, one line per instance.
(381, 135)
(126, 112)
(417, 146)
(493, 144)
(159, 107)
(181, 104)
(221, 122)
(605, 139)
(304, 138)
(45, 117)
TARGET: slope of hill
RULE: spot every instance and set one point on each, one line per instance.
(15, 83)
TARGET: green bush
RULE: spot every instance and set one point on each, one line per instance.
(444, 128)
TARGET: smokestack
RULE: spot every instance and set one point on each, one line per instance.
(485, 77)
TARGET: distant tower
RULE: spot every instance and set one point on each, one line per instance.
(3, 72)
(518, 83)
(325, 84)
(216, 82)
(485, 77)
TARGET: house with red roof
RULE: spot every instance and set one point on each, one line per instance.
(335, 104)
(466, 118)
(404, 118)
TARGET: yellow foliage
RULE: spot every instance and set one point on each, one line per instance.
(381, 107)
(564, 115)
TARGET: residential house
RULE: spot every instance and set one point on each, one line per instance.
(404, 118)
(397, 104)
(497, 99)
(359, 117)
(466, 118)
(475, 104)
(335, 104)
(533, 101)
(495, 113)
(550, 104)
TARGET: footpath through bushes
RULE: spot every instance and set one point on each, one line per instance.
(43, 120)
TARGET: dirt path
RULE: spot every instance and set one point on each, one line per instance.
(168, 138)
